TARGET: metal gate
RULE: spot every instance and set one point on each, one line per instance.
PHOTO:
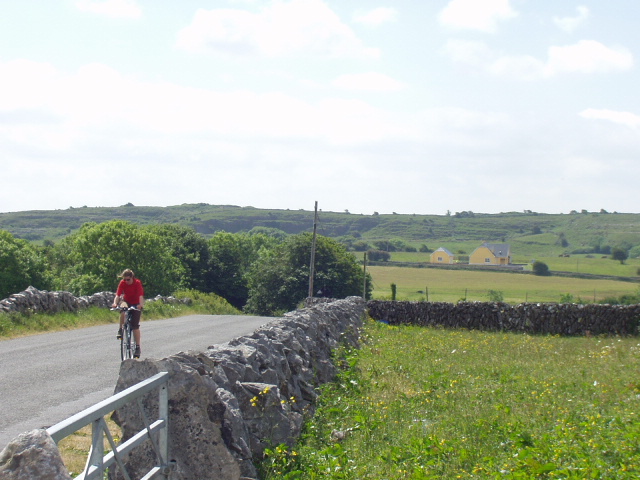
(156, 431)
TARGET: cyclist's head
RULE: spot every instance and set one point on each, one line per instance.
(127, 273)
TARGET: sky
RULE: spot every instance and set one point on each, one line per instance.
(407, 106)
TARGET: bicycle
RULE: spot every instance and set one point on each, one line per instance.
(128, 341)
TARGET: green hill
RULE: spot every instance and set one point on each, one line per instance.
(529, 233)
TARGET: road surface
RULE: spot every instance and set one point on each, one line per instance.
(46, 378)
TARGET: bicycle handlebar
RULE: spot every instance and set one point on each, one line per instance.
(124, 309)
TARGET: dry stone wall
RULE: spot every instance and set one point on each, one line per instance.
(33, 300)
(227, 404)
(557, 319)
(231, 402)
(40, 301)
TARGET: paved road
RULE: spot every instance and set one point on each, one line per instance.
(46, 378)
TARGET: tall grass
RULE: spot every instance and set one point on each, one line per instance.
(425, 403)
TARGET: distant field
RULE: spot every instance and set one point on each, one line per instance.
(597, 264)
(452, 285)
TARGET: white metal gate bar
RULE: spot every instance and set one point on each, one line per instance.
(156, 432)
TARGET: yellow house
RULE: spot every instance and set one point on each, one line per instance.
(442, 255)
(491, 254)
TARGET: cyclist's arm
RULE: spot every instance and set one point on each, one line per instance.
(119, 295)
(141, 302)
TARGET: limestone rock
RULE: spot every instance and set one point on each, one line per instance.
(32, 455)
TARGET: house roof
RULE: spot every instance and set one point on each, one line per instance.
(442, 249)
(499, 250)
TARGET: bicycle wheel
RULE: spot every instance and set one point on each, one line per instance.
(125, 341)
(131, 341)
(132, 344)
(126, 347)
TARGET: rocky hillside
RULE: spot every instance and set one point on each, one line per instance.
(551, 234)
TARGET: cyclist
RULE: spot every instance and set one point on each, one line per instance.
(131, 292)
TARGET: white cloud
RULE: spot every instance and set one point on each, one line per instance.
(584, 167)
(586, 56)
(298, 27)
(370, 81)
(97, 101)
(570, 24)
(482, 15)
(523, 67)
(111, 8)
(623, 118)
(469, 52)
(377, 16)
(86, 126)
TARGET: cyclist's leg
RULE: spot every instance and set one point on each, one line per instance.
(135, 326)
(122, 314)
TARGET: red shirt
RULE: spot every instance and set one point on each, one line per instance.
(132, 292)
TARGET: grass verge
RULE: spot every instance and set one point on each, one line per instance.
(428, 403)
(75, 448)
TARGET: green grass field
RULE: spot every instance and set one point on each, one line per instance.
(593, 264)
(446, 285)
(427, 403)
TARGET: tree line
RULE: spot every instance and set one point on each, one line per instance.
(263, 271)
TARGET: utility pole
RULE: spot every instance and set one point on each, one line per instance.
(313, 252)
(364, 282)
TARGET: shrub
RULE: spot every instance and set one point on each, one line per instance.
(540, 268)
(566, 298)
(378, 255)
(495, 296)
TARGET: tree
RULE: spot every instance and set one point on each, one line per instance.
(270, 232)
(386, 245)
(378, 255)
(232, 255)
(279, 279)
(540, 268)
(191, 250)
(634, 252)
(619, 254)
(91, 259)
(360, 246)
(21, 265)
